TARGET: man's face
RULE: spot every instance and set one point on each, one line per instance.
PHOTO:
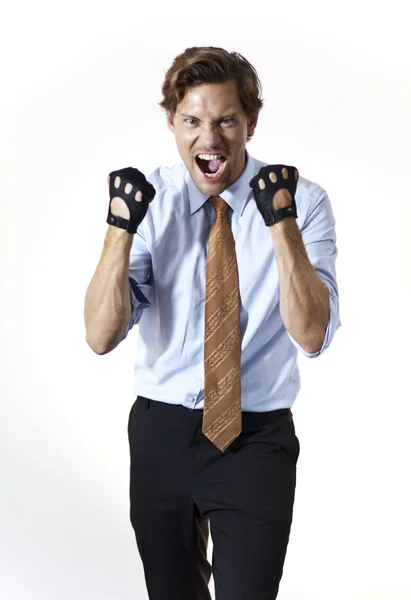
(211, 130)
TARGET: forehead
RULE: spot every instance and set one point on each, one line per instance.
(211, 98)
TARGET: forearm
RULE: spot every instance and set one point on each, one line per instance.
(304, 299)
(107, 308)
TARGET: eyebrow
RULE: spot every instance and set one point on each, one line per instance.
(228, 116)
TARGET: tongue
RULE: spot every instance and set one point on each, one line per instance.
(214, 165)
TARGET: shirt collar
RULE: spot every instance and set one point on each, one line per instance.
(236, 195)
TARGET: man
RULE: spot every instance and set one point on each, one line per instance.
(229, 271)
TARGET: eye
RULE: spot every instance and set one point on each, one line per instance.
(227, 120)
(192, 123)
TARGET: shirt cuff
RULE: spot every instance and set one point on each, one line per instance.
(138, 299)
(310, 354)
(138, 303)
(333, 324)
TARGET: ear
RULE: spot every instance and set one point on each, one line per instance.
(170, 122)
(252, 124)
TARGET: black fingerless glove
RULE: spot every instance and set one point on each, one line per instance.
(137, 209)
(264, 197)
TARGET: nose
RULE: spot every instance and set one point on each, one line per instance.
(210, 136)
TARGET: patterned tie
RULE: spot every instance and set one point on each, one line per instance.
(222, 351)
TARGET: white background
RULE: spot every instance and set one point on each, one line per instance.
(80, 87)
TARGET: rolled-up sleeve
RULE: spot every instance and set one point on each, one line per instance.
(139, 278)
(319, 237)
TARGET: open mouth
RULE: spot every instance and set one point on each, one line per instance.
(211, 166)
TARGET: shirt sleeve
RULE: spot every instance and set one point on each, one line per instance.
(139, 278)
(319, 237)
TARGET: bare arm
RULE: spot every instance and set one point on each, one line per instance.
(107, 310)
(304, 299)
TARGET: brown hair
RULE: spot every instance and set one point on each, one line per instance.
(208, 64)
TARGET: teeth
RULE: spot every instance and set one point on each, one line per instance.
(209, 156)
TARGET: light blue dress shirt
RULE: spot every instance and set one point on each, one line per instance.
(167, 287)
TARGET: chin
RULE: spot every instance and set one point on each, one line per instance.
(210, 190)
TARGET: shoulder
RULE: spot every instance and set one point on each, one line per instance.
(169, 184)
(307, 190)
(308, 195)
(170, 201)
(167, 178)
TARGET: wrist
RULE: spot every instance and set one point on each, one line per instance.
(287, 223)
(285, 232)
(118, 237)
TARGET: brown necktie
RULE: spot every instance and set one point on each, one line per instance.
(222, 350)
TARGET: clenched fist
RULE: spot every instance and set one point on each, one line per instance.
(130, 195)
(274, 190)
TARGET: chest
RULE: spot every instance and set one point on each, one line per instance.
(179, 253)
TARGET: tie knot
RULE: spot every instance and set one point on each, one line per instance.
(219, 204)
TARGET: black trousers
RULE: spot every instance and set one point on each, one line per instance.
(181, 486)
